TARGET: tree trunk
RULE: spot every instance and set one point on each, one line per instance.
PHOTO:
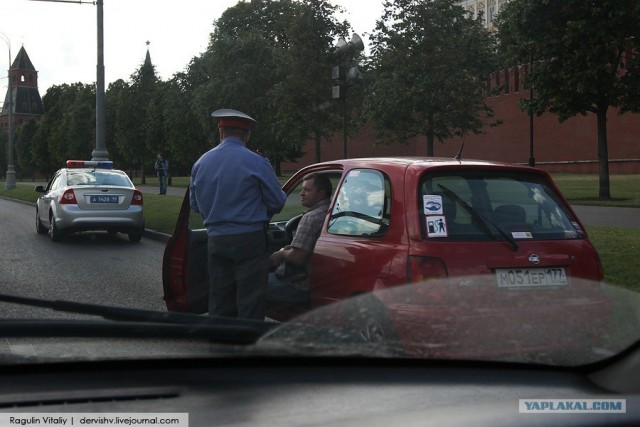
(603, 155)
(318, 141)
(430, 136)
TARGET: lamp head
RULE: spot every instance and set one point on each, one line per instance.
(357, 42)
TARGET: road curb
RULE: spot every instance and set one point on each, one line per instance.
(156, 235)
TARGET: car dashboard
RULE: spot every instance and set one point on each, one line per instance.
(323, 391)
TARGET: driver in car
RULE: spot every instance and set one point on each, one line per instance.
(315, 195)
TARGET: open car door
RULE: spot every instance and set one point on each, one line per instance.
(185, 278)
(185, 275)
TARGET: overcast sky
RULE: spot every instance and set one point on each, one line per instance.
(61, 38)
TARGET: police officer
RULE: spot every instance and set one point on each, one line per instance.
(236, 192)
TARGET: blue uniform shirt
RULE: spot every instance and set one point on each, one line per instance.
(234, 189)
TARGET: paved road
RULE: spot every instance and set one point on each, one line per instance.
(94, 268)
(609, 217)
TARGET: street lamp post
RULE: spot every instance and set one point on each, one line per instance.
(100, 152)
(11, 170)
(532, 159)
(345, 51)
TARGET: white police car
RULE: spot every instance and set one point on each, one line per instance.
(88, 196)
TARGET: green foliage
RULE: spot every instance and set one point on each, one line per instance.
(430, 64)
(23, 138)
(579, 48)
(301, 98)
(67, 129)
(582, 57)
(112, 108)
(273, 60)
(127, 126)
(185, 136)
(143, 104)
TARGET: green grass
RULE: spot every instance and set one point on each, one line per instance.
(24, 192)
(161, 212)
(619, 249)
(582, 189)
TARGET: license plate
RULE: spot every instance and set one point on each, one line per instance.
(531, 277)
(103, 199)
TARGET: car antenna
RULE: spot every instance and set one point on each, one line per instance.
(458, 156)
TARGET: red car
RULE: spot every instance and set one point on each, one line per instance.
(457, 258)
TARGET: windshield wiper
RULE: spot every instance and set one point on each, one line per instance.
(480, 220)
(134, 322)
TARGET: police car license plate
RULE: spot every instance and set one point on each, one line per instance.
(103, 199)
(531, 277)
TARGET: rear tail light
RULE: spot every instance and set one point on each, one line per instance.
(137, 198)
(68, 198)
(427, 277)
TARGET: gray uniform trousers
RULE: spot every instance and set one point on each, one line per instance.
(238, 273)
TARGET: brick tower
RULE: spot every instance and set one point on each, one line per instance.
(25, 98)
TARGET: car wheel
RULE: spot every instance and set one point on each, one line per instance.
(41, 229)
(135, 235)
(372, 324)
(54, 233)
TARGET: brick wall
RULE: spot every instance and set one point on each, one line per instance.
(558, 147)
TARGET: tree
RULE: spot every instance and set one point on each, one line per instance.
(242, 71)
(39, 143)
(78, 125)
(242, 75)
(302, 98)
(111, 100)
(23, 139)
(430, 64)
(127, 134)
(186, 136)
(138, 128)
(67, 129)
(585, 59)
(271, 59)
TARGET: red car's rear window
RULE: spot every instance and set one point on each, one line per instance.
(485, 205)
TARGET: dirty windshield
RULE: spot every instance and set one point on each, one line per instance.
(406, 180)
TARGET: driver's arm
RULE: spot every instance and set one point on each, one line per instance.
(295, 256)
(304, 240)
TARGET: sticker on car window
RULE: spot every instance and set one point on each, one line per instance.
(437, 226)
(432, 204)
(578, 228)
(522, 235)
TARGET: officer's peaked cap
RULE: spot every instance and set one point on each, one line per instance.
(233, 119)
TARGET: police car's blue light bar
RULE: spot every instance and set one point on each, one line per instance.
(99, 164)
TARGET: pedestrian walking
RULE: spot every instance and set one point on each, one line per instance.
(162, 171)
